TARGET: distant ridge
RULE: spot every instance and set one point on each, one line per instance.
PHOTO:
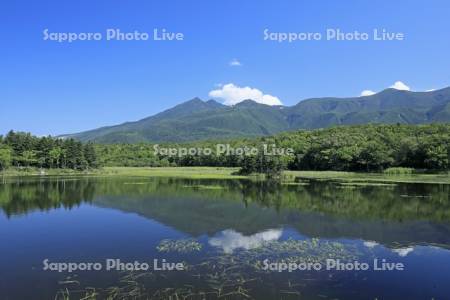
(198, 120)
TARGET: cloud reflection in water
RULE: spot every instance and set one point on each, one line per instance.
(230, 240)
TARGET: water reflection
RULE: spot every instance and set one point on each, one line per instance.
(224, 230)
(403, 251)
(230, 240)
(246, 209)
(400, 251)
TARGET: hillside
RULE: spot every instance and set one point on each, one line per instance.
(199, 120)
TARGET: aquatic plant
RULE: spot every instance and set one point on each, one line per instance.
(204, 187)
(220, 275)
(180, 246)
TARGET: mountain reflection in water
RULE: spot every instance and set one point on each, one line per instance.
(224, 230)
(247, 211)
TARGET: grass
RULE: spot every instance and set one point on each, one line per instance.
(37, 172)
(181, 172)
(355, 177)
(229, 173)
(398, 171)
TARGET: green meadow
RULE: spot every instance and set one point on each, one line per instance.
(291, 177)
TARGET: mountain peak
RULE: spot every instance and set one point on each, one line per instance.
(247, 103)
(185, 108)
(199, 120)
(214, 103)
(194, 100)
(392, 91)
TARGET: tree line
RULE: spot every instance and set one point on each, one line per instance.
(21, 150)
(341, 148)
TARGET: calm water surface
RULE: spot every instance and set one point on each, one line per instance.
(222, 232)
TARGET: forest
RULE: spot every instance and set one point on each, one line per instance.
(367, 148)
(22, 150)
(341, 148)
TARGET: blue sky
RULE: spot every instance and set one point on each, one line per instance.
(48, 87)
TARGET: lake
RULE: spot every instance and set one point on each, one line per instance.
(231, 239)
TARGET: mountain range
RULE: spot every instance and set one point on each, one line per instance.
(200, 120)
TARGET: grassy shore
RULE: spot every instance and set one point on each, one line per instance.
(443, 178)
(228, 173)
(180, 172)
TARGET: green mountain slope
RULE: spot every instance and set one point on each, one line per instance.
(388, 106)
(199, 120)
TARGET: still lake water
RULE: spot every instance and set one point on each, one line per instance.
(222, 231)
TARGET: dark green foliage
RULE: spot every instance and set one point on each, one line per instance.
(129, 155)
(90, 155)
(24, 150)
(5, 157)
(371, 147)
(343, 148)
(74, 155)
(196, 120)
(271, 166)
(248, 165)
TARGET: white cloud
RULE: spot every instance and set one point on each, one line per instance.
(230, 240)
(398, 85)
(430, 90)
(232, 94)
(367, 93)
(235, 63)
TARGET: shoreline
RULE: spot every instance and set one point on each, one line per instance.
(229, 173)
